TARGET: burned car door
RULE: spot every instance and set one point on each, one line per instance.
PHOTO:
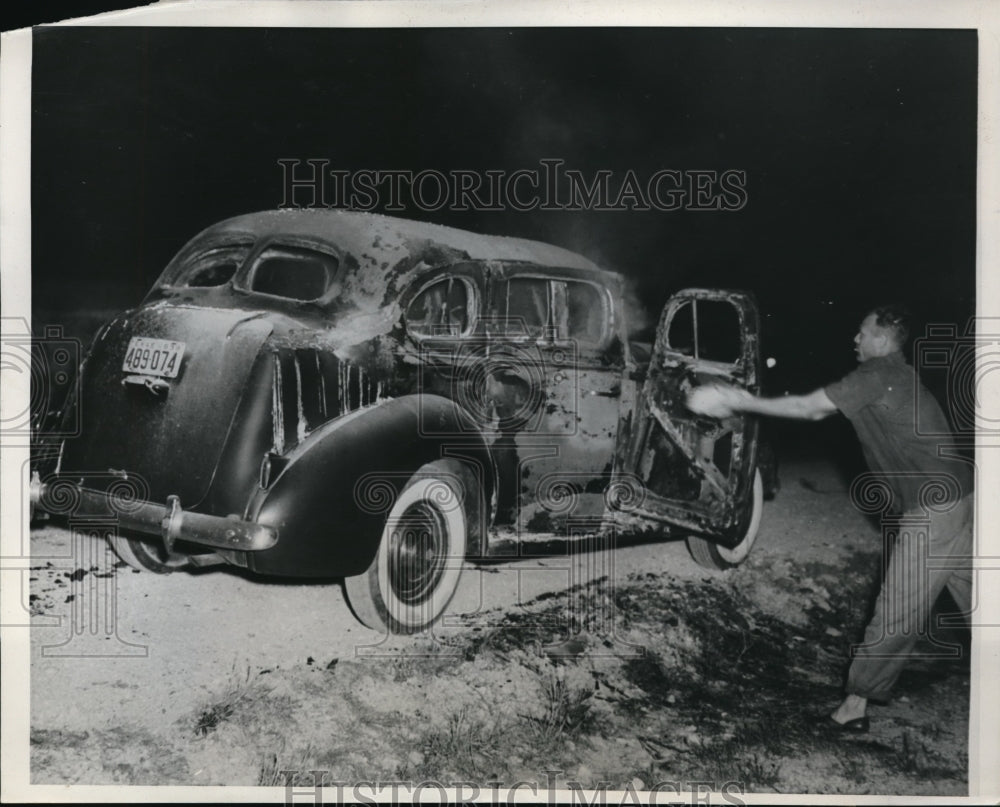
(699, 472)
(554, 382)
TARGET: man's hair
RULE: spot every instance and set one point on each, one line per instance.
(895, 318)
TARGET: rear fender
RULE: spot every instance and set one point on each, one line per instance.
(330, 501)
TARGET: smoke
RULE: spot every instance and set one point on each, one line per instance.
(637, 317)
(591, 235)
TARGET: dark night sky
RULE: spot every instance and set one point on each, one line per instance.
(859, 148)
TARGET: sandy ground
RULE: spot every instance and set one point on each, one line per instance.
(124, 661)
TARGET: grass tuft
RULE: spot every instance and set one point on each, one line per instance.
(244, 689)
(565, 713)
(466, 743)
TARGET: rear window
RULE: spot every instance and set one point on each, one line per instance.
(294, 272)
(214, 267)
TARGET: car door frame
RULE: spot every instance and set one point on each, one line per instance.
(722, 508)
(565, 436)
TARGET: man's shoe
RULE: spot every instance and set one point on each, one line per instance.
(859, 725)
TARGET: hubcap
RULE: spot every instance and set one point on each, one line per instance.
(418, 552)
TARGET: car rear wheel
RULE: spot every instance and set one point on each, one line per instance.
(420, 556)
(145, 556)
(712, 555)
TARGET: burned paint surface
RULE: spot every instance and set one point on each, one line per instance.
(547, 403)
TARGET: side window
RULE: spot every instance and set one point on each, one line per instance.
(444, 308)
(586, 313)
(707, 329)
(528, 307)
(554, 309)
(214, 267)
(294, 272)
(719, 335)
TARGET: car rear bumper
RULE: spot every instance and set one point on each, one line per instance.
(170, 522)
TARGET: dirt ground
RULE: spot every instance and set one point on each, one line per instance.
(621, 668)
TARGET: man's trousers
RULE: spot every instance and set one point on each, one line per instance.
(922, 563)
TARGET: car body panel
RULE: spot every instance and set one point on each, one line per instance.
(172, 435)
(335, 491)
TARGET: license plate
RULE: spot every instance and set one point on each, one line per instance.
(153, 357)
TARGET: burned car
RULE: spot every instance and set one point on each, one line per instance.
(321, 393)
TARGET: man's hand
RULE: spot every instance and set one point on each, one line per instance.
(717, 401)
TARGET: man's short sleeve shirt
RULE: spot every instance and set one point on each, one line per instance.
(881, 398)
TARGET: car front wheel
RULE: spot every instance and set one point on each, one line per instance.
(420, 556)
(714, 556)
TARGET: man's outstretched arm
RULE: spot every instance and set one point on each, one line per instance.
(716, 401)
(814, 406)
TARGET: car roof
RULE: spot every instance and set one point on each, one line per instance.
(385, 241)
(384, 256)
